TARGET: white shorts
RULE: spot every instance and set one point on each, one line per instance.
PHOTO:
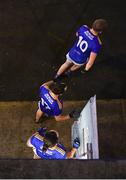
(71, 60)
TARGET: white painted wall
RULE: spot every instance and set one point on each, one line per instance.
(86, 129)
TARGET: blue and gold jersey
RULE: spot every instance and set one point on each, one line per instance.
(50, 103)
(57, 152)
(85, 44)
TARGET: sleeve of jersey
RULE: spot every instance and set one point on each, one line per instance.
(58, 111)
(36, 142)
(59, 156)
(96, 48)
(60, 153)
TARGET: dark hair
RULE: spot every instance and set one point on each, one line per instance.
(50, 140)
(57, 88)
(99, 25)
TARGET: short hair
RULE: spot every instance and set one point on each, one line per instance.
(100, 25)
(57, 88)
(50, 139)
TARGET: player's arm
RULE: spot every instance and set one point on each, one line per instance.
(90, 61)
(62, 117)
(73, 114)
(76, 145)
(71, 153)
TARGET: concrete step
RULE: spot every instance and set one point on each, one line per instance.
(60, 169)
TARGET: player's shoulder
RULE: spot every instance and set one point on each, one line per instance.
(43, 88)
(36, 140)
(60, 149)
(85, 27)
(38, 136)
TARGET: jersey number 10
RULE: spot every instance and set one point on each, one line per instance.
(82, 44)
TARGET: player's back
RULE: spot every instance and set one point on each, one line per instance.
(56, 152)
(85, 44)
(59, 152)
(49, 102)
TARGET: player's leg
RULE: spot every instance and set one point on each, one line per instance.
(62, 117)
(63, 68)
(75, 67)
(39, 114)
(72, 69)
(29, 142)
(36, 157)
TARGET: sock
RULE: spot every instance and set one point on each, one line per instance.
(56, 76)
(68, 73)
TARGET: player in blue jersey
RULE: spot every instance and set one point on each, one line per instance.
(50, 102)
(85, 49)
(45, 145)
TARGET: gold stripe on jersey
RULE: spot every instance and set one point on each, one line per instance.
(60, 150)
(38, 136)
(56, 98)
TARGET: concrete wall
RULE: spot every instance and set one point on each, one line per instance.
(68, 169)
(112, 128)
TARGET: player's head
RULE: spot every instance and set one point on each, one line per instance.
(50, 139)
(58, 88)
(99, 25)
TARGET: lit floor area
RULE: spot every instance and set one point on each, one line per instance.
(17, 125)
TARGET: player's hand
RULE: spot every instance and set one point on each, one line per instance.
(42, 131)
(74, 113)
(76, 143)
(83, 71)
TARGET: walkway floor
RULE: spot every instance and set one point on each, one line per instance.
(17, 125)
